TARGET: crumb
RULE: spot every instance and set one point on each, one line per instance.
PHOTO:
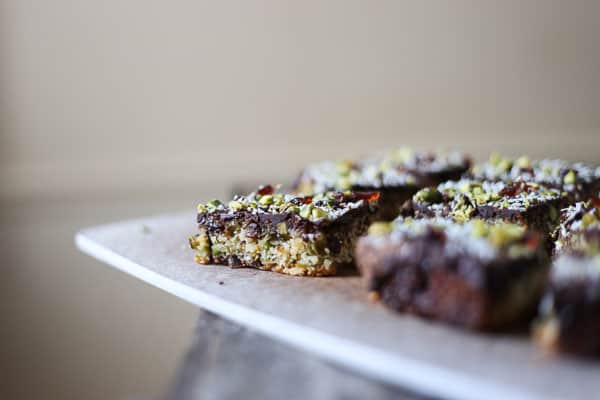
(373, 296)
(221, 282)
(146, 229)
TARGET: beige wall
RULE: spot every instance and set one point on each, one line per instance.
(111, 109)
(127, 94)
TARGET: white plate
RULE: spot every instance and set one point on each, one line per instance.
(333, 318)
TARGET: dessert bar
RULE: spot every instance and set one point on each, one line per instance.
(569, 312)
(477, 275)
(527, 203)
(295, 235)
(579, 230)
(579, 180)
(396, 174)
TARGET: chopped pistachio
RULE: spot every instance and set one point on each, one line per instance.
(504, 165)
(587, 220)
(463, 213)
(318, 196)
(318, 213)
(570, 178)
(480, 228)
(289, 207)
(428, 195)
(380, 228)
(344, 183)
(202, 208)
(236, 205)
(465, 187)
(403, 154)
(450, 193)
(495, 158)
(306, 210)
(385, 165)
(265, 243)
(502, 234)
(343, 167)
(523, 162)
(282, 228)
(213, 204)
(265, 200)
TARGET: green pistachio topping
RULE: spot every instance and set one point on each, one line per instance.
(385, 165)
(343, 167)
(402, 154)
(501, 234)
(495, 158)
(570, 178)
(213, 204)
(265, 200)
(318, 213)
(380, 228)
(523, 162)
(463, 212)
(480, 196)
(344, 183)
(504, 165)
(588, 219)
(236, 205)
(480, 228)
(428, 195)
(289, 207)
(328, 205)
(282, 228)
(306, 210)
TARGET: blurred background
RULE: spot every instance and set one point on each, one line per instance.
(116, 109)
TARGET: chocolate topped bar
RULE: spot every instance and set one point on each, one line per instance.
(579, 229)
(296, 235)
(476, 274)
(396, 174)
(579, 180)
(530, 204)
(569, 313)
